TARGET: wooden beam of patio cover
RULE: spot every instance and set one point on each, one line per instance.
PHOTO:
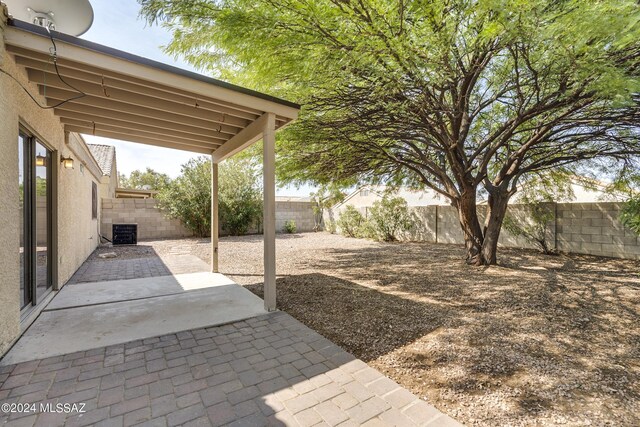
(122, 126)
(139, 139)
(90, 127)
(54, 96)
(97, 114)
(155, 72)
(48, 81)
(131, 84)
(242, 140)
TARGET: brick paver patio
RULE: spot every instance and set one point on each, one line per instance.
(137, 268)
(268, 370)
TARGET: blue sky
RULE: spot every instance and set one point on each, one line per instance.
(116, 24)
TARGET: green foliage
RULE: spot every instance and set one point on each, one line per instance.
(388, 218)
(350, 222)
(630, 214)
(240, 195)
(147, 180)
(188, 197)
(289, 226)
(453, 95)
(533, 221)
(533, 225)
(41, 186)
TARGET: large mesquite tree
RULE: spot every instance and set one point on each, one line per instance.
(459, 96)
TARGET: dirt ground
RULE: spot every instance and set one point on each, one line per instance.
(537, 340)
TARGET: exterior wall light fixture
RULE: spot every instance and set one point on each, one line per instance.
(67, 162)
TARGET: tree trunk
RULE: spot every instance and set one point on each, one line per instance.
(468, 217)
(496, 211)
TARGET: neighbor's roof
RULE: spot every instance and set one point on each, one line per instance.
(107, 92)
(105, 155)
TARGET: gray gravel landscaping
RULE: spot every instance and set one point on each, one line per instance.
(536, 340)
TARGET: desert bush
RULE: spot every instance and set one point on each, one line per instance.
(533, 225)
(144, 180)
(388, 218)
(240, 196)
(188, 197)
(289, 226)
(630, 214)
(350, 221)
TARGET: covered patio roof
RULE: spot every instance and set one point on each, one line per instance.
(97, 90)
(135, 99)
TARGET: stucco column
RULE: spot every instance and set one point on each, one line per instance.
(214, 216)
(269, 220)
(4, 15)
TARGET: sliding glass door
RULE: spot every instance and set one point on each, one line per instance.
(25, 296)
(35, 227)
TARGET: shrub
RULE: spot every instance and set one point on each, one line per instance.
(630, 214)
(289, 226)
(188, 197)
(147, 180)
(350, 221)
(240, 196)
(533, 225)
(388, 218)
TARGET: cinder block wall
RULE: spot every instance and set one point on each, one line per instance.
(152, 222)
(300, 212)
(593, 228)
(583, 228)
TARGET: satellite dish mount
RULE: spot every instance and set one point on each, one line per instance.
(73, 17)
(43, 19)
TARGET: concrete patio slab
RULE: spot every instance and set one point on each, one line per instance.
(83, 294)
(104, 323)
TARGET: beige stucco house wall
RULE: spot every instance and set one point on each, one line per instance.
(77, 231)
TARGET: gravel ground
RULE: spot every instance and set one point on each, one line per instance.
(537, 340)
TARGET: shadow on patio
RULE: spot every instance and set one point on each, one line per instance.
(543, 338)
(267, 370)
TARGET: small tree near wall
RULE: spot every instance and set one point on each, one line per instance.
(325, 197)
(533, 225)
(533, 222)
(350, 222)
(147, 180)
(388, 218)
(240, 196)
(188, 197)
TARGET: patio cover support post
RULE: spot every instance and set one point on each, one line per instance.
(269, 219)
(214, 216)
